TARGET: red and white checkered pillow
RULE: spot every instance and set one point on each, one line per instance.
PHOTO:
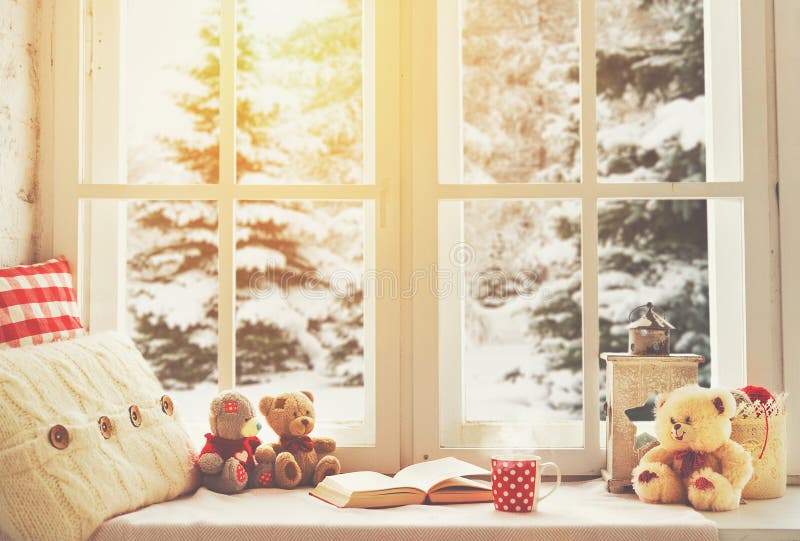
(37, 304)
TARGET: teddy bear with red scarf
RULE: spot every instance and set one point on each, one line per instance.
(300, 459)
(233, 458)
(695, 460)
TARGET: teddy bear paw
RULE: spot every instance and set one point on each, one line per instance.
(711, 491)
(265, 479)
(657, 483)
(328, 465)
(234, 473)
(210, 463)
(262, 476)
(647, 476)
(287, 470)
(232, 479)
(265, 454)
(701, 483)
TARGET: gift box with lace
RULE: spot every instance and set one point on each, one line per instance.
(760, 427)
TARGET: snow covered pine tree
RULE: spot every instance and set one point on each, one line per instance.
(173, 246)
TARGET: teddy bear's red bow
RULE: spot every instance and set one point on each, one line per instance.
(691, 461)
(294, 444)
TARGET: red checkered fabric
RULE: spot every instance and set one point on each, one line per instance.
(37, 304)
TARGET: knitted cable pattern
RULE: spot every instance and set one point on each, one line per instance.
(63, 469)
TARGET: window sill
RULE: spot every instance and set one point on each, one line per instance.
(576, 507)
(763, 520)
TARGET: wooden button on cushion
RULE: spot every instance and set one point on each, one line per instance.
(59, 437)
(166, 405)
(136, 416)
(106, 428)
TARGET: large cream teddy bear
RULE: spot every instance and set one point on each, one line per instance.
(695, 460)
(299, 458)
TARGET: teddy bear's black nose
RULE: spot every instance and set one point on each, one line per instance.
(676, 426)
(305, 422)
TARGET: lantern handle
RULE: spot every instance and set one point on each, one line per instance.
(650, 306)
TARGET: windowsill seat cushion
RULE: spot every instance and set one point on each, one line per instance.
(575, 511)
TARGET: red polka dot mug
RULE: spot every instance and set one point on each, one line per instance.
(516, 480)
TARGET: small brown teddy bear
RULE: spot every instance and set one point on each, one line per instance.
(233, 457)
(300, 459)
(695, 460)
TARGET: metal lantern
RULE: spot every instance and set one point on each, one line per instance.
(630, 381)
(632, 378)
(648, 335)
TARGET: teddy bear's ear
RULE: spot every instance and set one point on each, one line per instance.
(265, 404)
(309, 394)
(724, 403)
(216, 406)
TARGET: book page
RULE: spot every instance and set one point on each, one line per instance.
(462, 483)
(362, 481)
(426, 475)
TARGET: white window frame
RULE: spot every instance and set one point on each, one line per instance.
(787, 68)
(406, 190)
(98, 255)
(436, 118)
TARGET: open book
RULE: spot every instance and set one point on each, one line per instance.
(446, 480)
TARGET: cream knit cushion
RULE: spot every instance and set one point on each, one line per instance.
(52, 493)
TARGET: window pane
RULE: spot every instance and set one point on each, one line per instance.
(668, 91)
(659, 251)
(520, 92)
(172, 298)
(301, 316)
(300, 97)
(170, 72)
(510, 322)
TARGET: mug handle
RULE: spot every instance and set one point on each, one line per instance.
(558, 478)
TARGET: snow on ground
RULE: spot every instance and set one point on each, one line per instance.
(491, 398)
(488, 396)
(497, 343)
(333, 403)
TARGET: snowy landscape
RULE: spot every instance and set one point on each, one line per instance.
(300, 120)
